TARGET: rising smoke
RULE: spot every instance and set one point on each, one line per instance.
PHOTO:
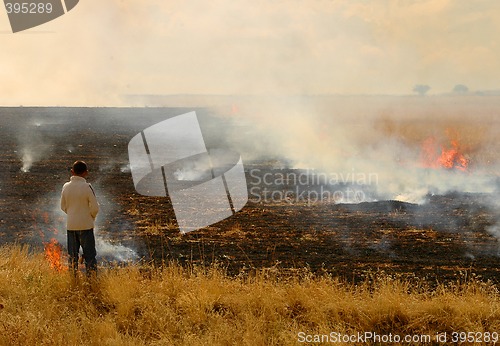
(265, 50)
(384, 136)
(33, 146)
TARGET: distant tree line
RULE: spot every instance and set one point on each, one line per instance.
(422, 89)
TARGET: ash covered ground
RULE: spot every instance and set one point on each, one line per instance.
(445, 235)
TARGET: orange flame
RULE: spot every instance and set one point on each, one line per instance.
(53, 254)
(436, 156)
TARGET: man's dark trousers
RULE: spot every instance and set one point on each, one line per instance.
(86, 240)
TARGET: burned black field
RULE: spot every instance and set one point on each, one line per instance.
(439, 240)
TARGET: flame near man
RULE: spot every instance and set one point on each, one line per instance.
(79, 202)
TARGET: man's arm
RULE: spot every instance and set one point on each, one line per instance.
(64, 207)
(93, 205)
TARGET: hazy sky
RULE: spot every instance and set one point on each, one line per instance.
(102, 50)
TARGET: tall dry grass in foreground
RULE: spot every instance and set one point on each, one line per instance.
(178, 306)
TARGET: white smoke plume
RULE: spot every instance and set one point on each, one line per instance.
(193, 170)
(115, 252)
(33, 146)
(382, 136)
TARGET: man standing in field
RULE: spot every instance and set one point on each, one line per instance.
(79, 202)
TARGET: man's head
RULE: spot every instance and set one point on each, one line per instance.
(79, 168)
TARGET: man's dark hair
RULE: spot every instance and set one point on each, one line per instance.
(79, 167)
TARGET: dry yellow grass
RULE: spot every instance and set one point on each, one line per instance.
(194, 306)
